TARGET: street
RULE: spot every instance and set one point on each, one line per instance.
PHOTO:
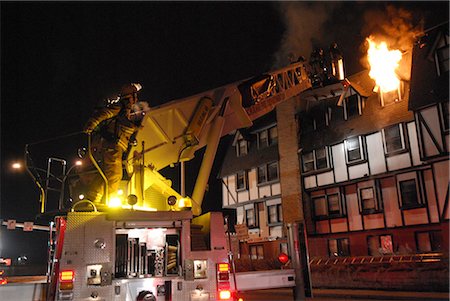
(339, 295)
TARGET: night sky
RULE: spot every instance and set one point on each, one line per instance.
(58, 59)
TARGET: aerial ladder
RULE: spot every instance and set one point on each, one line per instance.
(173, 132)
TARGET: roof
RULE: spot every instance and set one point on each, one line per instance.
(427, 87)
(255, 157)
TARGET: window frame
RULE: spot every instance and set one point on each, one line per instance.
(419, 203)
(376, 200)
(256, 247)
(270, 138)
(443, 46)
(385, 101)
(444, 113)
(315, 160)
(431, 241)
(279, 214)
(265, 168)
(255, 224)
(380, 244)
(361, 148)
(239, 152)
(326, 198)
(338, 247)
(244, 174)
(401, 137)
(358, 106)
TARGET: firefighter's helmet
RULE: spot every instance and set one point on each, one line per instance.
(130, 89)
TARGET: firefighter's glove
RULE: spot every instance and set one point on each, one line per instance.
(88, 129)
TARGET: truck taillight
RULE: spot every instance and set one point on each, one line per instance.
(224, 295)
(223, 281)
(66, 278)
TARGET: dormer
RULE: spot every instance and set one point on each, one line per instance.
(240, 144)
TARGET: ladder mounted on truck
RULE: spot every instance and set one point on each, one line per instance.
(173, 132)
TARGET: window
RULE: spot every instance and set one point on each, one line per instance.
(391, 96)
(316, 160)
(352, 105)
(275, 213)
(442, 55)
(380, 245)
(354, 149)
(327, 206)
(241, 147)
(308, 162)
(241, 180)
(338, 247)
(256, 252)
(250, 216)
(393, 139)
(272, 171)
(368, 200)
(268, 172)
(267, 137)
(334, 207)
(321, 158)
(408, 194)
(445, 116)
(430, 241)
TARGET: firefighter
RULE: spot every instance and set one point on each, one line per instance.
(111, 129)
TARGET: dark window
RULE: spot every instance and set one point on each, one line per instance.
(408, 193)
(241, 180)
(430, 241)
(354, 149)
(308, 162)
(380, 245)
(338, 247)
(393, 138)
(242, 147)
(267, 137)
(316, 160)
(268, 172)
(256, 252)
(275, 214)
(352, 106)
(321, 158)
(443, 55)
(445, 116)
(327, 206)
(272, 171)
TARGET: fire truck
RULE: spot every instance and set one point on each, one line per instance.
(155, 243)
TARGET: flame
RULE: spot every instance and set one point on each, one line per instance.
(383, 63)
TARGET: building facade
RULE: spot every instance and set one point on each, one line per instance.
(374, 166)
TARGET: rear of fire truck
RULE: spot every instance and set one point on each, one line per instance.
(137, 255)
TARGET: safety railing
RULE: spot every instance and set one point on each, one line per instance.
(425, 257)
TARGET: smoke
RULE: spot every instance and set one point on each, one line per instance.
(316, 24)
(393, 25)
(304, 28)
